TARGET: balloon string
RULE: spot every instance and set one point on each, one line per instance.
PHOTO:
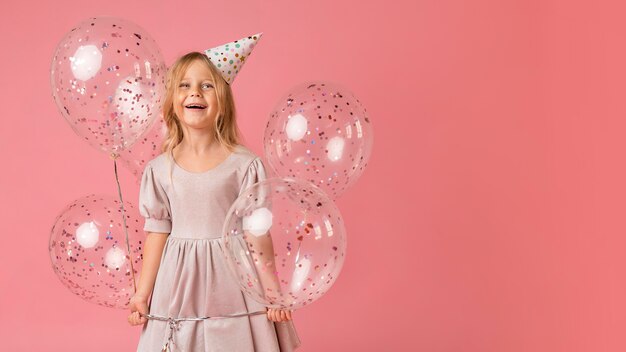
(174, 323)
(130, 259)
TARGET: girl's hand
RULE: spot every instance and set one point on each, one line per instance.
(138, 304)
(278, 315)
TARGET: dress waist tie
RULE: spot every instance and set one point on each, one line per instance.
(174, 323)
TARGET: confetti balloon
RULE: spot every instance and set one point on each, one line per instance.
(319, 132)
(108, 80)
(145, 149)
(89, 253)
(284, 242)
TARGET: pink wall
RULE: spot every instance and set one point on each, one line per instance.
(491, 217)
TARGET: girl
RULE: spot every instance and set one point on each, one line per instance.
(185, 195)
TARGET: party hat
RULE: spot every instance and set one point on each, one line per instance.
(230, 57)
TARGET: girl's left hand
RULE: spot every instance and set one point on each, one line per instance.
(278, 315)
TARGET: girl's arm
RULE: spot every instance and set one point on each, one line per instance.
(266, 267)
(152, 251)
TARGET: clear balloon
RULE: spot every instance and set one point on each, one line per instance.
(89, 253)
(284, 242)
(319, 132)
(108, 81)
(145, 149)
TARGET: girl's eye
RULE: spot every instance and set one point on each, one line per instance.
(204, 86)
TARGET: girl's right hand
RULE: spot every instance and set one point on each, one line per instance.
(138, 304)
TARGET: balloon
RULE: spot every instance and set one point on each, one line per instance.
(108, 80)
(284, 242)
(145, 149)
(89, 253)
(319, 132)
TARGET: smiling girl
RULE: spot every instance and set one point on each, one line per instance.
(185, 297)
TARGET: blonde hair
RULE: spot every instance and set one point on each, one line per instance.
(225, 130)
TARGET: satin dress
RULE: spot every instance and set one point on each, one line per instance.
(193, 278)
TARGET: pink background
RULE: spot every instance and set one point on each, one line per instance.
(490, 217)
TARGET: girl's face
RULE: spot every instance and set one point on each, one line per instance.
(195, 100)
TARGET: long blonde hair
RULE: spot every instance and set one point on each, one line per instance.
(225, 130)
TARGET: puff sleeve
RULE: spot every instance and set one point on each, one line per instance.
(154, 205)
(255, 173)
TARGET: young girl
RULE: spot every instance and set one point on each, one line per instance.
(185, 296)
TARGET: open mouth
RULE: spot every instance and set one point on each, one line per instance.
(195, 106)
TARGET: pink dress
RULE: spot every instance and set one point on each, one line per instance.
(193, 278)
